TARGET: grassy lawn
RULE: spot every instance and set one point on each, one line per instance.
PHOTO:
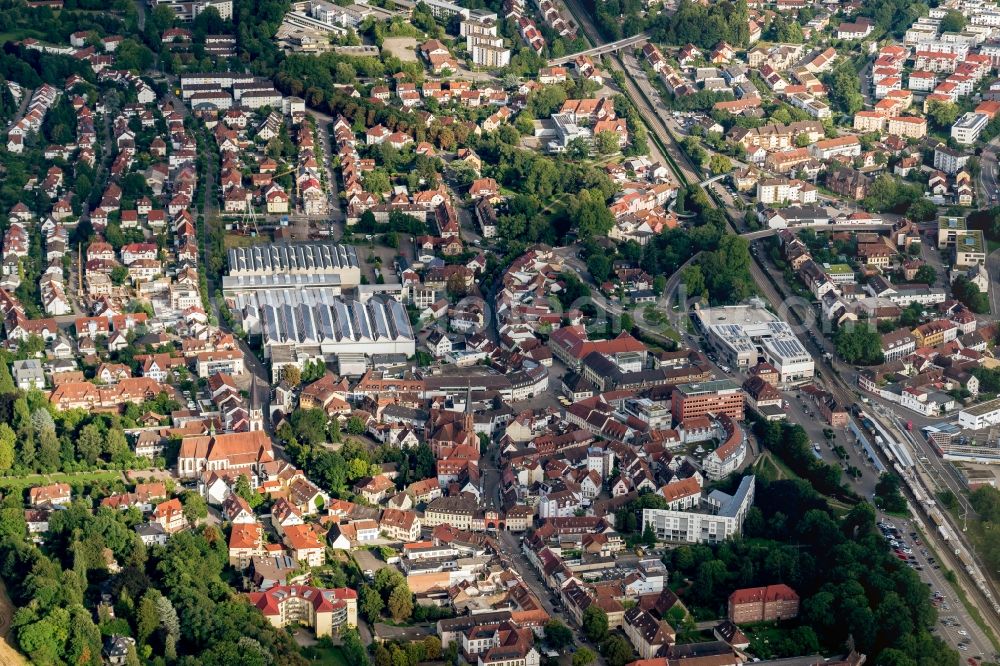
(332, 656)
(770, 467)
(17, 35)
(237, 240)
(22, 482)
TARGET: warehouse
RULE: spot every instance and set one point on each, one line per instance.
(298, 325)
(305, 261)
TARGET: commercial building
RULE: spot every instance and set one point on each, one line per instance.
(299, 325)
(744, 333)
(970, 249)
(717, 398)
(980, 416)
(717, 517)
(966, 129)
(950, 228)
(306, 261)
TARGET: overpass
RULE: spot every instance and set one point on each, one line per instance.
(602, 49)
(824, 226)
(713, 179)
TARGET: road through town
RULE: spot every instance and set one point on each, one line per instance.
(830, 373)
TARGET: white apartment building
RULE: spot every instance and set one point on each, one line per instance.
(489, 52)
(966, 129)
(188, 11)
(718, 518)
(785, 190)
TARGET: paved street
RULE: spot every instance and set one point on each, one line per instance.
(954, 625)
(840, 378)
(993, 268)
(514, 557)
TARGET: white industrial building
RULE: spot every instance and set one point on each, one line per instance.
(309, 260)
(299, 325)
(980, 416)
(744, 333)
(717, 517)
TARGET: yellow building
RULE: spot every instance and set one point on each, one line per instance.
(322, 609)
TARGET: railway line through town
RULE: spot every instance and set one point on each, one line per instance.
(797, 312)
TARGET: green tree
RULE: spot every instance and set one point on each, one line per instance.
(922, 210)
(387, 579)
(355, 426)
(400, 603)
(606, 142)
(243, 489)
(595, 623)
(309, 425)
(370, 603)
(986, 501)
(194, 505)
(953, 21)
(589, 212)
(859, 344)
(925, 275)
(727, 270)
(599, 265)
(557, 634)
(968, 293)
(292, 375)
(694, 281)
(432, 648)
(583, 657)
(119, 274)
(844, 88)
(720, 164)
(887, 494)
(7, 386)
(89, 443)
(8, 438)
(617, 650)
(942, 114)
(147, 619)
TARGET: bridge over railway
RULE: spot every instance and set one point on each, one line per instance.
(602, 49)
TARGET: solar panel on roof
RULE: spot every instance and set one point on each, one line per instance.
(400, 319)
(380, 317)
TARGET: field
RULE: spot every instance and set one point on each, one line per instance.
(771, 468)
(22, 482)
(330, 656)
(404, 48)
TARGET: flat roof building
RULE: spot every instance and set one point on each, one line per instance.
(980, 416)
(744, 333)
(718, 397)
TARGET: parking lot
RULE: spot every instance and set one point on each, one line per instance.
(368, 562)
(955, 626)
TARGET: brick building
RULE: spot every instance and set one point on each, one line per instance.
(703, 398)
(763, 604)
